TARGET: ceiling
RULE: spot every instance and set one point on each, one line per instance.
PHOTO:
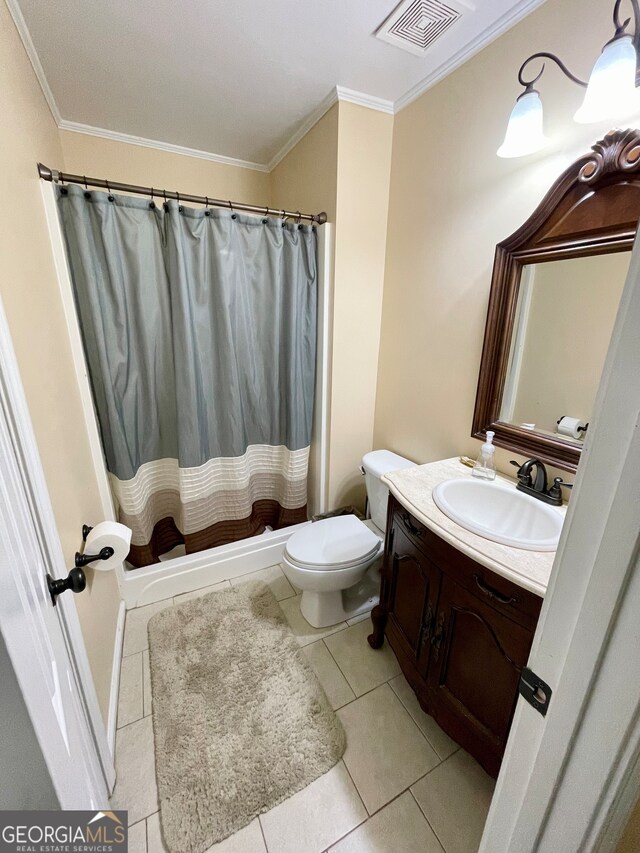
(237, 78)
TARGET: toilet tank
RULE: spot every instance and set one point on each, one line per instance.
(375, 464)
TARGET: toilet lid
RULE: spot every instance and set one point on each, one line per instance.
(333, 543)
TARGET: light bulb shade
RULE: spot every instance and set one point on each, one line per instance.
(524, 132)
(611, 92)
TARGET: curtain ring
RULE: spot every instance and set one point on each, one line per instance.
(166, 203)
(180, 207)
(152, 203)
(85, 182)
(110, 196)
(299, 217)
(266, 214)
(207, 212)
(87, 194)
(233, 215)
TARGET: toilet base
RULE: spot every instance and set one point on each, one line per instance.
(322, 609)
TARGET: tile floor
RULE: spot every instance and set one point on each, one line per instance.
(403, 786)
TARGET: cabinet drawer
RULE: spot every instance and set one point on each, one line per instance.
(504, 596)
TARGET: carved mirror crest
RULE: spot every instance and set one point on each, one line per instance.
(554, 293)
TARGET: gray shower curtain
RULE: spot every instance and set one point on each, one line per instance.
(199, 330)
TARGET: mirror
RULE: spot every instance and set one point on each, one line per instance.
(555, 291)
(562, 328)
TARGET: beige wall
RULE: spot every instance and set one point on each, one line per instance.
(451, 201)
(306, 179)
(137, 164)
(29, 292)
(331, 169)
(570, 320)
(364, 164)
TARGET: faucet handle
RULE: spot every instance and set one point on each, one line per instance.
(558, 481)
(561, 482)
(523, 475)
(555, 491)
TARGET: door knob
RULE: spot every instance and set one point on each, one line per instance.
(76, 581)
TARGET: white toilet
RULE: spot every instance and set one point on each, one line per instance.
(336, 561)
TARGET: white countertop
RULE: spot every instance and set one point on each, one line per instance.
(413, 487)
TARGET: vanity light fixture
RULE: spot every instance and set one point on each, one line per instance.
(611, 90)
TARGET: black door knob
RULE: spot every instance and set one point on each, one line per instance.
(76, 581)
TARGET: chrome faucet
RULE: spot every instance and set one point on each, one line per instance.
(537, 487)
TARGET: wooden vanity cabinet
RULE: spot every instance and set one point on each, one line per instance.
(461, 633)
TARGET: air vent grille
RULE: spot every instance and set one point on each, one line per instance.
(415, 24)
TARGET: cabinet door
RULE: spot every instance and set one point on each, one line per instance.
(477, 655)
(412, 594)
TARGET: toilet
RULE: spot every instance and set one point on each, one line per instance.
(336, 561)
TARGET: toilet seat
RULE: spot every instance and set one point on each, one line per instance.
(332, 544)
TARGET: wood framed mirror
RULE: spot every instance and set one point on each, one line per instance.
(572, 248)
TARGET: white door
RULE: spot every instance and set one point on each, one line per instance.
(568, 779)
(31, 626)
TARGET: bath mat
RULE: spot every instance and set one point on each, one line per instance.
(240, 721)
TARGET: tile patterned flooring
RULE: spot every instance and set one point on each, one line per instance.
(403, 786)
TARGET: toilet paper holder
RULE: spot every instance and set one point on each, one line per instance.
(84, 559)
(76, 580)
(579, 429)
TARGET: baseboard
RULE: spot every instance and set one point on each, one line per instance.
(185, 574)
(115, 679)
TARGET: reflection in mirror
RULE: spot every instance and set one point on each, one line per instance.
(564, 319)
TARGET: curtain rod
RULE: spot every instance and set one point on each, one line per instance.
(54, 175)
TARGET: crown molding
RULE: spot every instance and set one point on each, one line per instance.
(508, 20)
(370, 101)
(311, 120)
(89, 130)
(23, 32)
(339, 93)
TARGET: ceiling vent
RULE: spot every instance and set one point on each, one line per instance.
(414, 25)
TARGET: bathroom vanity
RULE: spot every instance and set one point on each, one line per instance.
(459, 611)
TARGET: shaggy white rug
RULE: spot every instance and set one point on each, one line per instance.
(240, 721)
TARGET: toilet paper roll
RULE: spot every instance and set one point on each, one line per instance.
(570, 427)
(108, 534)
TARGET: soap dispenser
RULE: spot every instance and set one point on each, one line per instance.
(485, 467)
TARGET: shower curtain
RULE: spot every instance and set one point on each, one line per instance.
(199, 328)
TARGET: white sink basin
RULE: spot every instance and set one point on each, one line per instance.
(500, 513)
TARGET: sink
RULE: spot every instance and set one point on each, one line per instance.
(498, 512)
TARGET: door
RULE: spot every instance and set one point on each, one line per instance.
(32, 630)
(412, 597)
(477, 656)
